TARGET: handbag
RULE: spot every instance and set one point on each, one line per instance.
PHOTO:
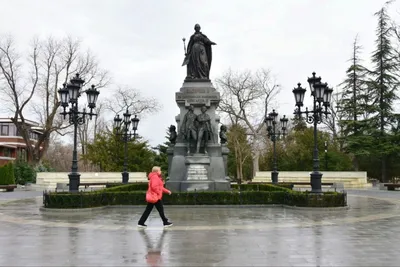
(151, 197)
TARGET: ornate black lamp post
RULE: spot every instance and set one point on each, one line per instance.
(271, 122)
(69, 95)
(321, 94)
(122, 129)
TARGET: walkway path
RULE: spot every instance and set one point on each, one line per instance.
(366, 234)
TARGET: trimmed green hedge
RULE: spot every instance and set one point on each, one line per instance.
(7, 174)
(126, 187)
(134, 194)
(307, 199)
(97, 199)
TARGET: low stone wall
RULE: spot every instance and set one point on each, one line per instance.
(49, 180)
(349, 179)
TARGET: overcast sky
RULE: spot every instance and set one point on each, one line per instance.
(140, 42)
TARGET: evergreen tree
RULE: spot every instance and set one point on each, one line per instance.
(353, 106)
(383, 86)
(161, 157)
(107, 151)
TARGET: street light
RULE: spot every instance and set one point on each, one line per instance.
(69, 96)
(121, 127)
(271, 122)
(322, 95)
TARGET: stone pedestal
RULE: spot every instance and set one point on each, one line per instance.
(225, 152)
(170, 153)
(201, 172)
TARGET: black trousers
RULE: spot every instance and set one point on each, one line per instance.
(160, 208)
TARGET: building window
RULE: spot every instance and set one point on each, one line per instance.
(11, 130)
(22, 154)
(6, 152)
(4, 130)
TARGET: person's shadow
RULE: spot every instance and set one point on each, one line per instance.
(153, 256)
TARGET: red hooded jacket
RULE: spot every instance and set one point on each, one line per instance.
(156, 188)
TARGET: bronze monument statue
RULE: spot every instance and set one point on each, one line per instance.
(188, 128)
(172, 134)
(222, 134)
(204, 130)
(198, 56)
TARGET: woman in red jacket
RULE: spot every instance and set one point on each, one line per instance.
(154, 197)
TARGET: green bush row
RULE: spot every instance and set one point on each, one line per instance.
(7, 174)
(63, 200)
(126, 187)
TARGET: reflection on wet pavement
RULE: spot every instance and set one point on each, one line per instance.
(366, 234)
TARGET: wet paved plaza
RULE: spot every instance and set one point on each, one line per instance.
(365, 234)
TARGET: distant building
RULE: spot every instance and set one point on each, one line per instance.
(12, 145)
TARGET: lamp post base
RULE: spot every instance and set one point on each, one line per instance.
(274, 177)
(74, 181)
(315, 179)
(125, 177)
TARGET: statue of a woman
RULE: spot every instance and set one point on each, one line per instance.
(198, 56)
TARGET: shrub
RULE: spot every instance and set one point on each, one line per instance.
(7, 174)
(307, 199)
(126, 187)
(24, 172)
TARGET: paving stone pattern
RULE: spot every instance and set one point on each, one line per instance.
(366, 234)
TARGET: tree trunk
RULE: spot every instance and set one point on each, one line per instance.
(355, 164)
(255, 158)
(384, 175)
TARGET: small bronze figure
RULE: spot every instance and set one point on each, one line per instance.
(204, 129)
(172, 134)
(198, 56)
(222, 134)
(188, 128)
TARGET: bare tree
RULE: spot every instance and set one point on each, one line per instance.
(130, 98)
(87, 132)
(59, 157)
(331, 121)
(34, 83)
(123, 98)
(241, 149)
(243, 95)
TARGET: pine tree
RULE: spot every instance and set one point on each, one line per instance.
(353, 105)
(107, 151)
(161, 159)
(383, 86)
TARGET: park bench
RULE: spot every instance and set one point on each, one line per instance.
(391, 186)
(8, 188)
(336, 186)
(339, 186)
(308, 183)
(86, 185)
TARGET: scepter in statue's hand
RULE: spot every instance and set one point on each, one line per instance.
(184, 45)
